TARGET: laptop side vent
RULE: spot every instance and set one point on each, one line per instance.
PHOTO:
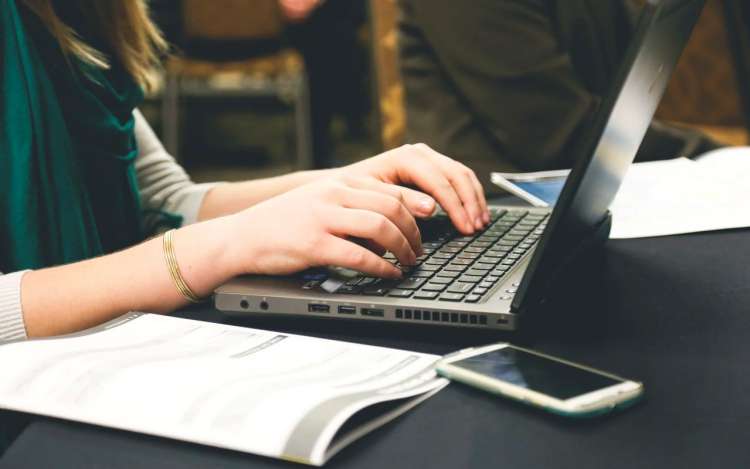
(422, 315)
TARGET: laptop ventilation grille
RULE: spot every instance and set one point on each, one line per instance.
(440, 316)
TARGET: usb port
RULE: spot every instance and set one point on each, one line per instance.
(318, 308)
(372, 312)
(347, 310)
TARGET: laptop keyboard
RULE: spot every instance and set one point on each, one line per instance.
(457, 268)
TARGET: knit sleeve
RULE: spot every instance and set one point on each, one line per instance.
(12, 327)
(164, 185)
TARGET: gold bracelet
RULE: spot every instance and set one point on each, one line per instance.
(174, 269)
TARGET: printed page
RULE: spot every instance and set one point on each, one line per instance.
(279, 395)
(668, 197)
(680, 196)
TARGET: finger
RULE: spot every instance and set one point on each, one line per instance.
(482, 199)
(425, 174)
(374, 247)
(343, 253)
(375, 227)
(464, 186)
(462, 179)
(390, 206)
(418, 203)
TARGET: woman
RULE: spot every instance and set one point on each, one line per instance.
(84, 180)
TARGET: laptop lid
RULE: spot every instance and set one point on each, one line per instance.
(617, 130)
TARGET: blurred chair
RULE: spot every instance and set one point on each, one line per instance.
(257, 64)
(709, 89)
(389, 95)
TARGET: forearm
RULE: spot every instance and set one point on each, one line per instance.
(230, 198)
(73, 297)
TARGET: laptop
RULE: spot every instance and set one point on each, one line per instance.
(496, 277)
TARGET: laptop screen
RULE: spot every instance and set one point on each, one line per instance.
(611, 144)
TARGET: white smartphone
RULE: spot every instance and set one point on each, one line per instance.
(556, 385)
(540, 189)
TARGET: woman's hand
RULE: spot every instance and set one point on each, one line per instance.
(346, 221)
(453, 185)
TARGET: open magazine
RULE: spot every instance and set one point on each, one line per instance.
(280, 395)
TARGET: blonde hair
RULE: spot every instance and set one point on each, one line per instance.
(136, 41)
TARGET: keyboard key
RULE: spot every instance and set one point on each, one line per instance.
(474, 250)
(457, 244)
(470, 278)
(495, 258)
(412, 283)
(451, 297)
(455, 267)
(473, 299)
(437, 262)
(461, 261)
(375, 291)
(442, 255)
(480, 290)
(441, 280)
(460, 287)
(433, 287)
(425, 295)
(476, 272)
(398, 293)
(487, 284)
(469, 255)
(421, 273)
(448, 274)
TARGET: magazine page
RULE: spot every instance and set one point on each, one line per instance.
(279, 395)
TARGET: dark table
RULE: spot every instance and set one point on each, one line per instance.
(675, 314)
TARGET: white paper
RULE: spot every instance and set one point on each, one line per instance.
(274, 394)
(678, 196)
(681, 196)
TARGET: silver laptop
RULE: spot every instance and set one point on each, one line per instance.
(496, 277)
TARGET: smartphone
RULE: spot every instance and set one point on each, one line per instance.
(555, 385)
(540, 189)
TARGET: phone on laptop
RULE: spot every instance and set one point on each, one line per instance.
(553, 384)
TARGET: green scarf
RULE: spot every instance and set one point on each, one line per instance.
(68, 189)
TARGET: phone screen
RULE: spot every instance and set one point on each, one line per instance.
(536, 373)
(546, 189)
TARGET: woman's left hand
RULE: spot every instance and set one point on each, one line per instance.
(454, 186)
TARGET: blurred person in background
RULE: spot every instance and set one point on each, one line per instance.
(509, 85)
(85, 185)
(326, 32)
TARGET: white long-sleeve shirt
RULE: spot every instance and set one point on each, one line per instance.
(164, 186)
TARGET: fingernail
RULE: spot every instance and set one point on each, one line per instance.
(478, 223)
(486, 217)
(426, 205)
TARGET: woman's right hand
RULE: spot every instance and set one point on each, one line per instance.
(330, 222)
